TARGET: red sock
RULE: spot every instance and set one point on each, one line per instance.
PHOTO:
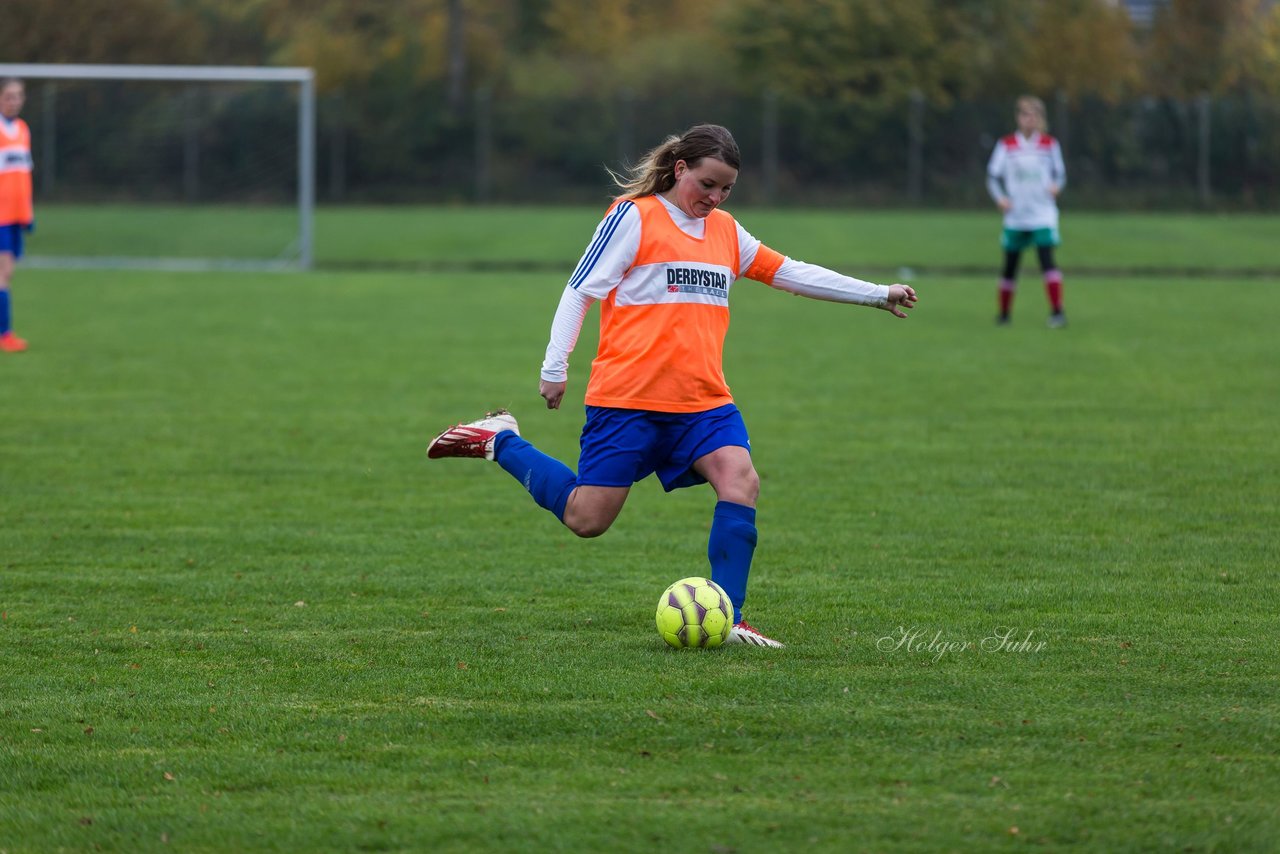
(1053, 287)
(1007, 287)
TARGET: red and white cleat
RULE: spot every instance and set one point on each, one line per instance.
(744, 633)
(474, 439)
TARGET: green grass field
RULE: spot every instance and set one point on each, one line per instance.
(239, 609)
(511, 238)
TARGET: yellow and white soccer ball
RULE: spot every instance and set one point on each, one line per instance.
(694, 612)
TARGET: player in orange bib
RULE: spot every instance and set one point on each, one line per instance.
(661, 265)
(15, 199)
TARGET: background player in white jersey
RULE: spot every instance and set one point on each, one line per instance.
(1025, 176)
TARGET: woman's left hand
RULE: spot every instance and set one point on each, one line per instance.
(900, 297)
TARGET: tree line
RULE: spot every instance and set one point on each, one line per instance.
(427, 89)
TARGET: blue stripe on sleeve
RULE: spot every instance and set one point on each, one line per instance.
(596, 249)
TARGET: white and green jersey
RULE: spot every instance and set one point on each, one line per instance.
(1022, 169)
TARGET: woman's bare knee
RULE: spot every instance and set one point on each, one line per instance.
(731, 474)
(591, 511)
(744, 489)
(586, 528)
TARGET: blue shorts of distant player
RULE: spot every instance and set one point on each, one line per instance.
(11, 239)
(624, 446)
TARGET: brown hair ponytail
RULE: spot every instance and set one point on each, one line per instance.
(655, 173)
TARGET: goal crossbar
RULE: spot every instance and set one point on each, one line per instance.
(178, 73)
(303, 77)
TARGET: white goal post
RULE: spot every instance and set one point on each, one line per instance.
(298, 255)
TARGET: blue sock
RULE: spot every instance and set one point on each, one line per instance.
(548, 480)
(730, 547)
(5, 317)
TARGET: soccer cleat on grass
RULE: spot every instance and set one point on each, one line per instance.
(1002, 320)
(1057, 320)
(474, 439)
(743, 633)
(10, 343)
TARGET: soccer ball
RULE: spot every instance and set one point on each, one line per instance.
(694, 612)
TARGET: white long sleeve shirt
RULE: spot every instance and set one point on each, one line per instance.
(613, 250)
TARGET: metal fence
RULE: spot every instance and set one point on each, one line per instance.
(398, 146)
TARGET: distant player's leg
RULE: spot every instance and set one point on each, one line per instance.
(6, 273)
(9, 342)
(1008, 285)
(1012, 242)
(1052, 281)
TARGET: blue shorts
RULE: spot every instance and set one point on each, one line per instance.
(11, 239)
(624, 446)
